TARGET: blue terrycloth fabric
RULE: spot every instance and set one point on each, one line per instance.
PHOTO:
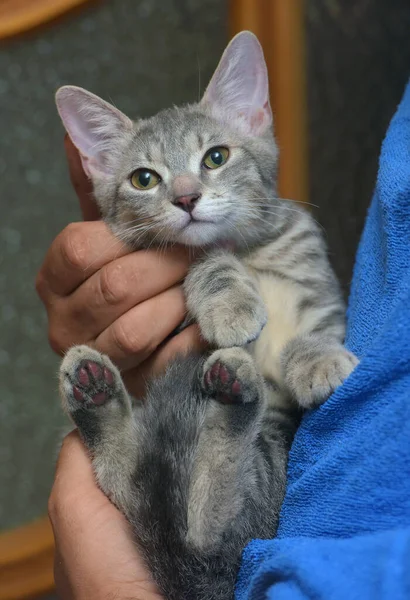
(345, 523)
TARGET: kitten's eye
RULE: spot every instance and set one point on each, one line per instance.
(143, 179)
(216, 157)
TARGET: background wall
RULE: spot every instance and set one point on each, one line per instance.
(358, 65)
(141, 54)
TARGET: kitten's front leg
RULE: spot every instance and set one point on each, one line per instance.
(314, 367)
(94, 397)
(224, 300)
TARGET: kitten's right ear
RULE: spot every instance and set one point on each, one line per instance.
(95, 127)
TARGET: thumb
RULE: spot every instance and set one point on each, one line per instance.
(81, 183)
(96, 554)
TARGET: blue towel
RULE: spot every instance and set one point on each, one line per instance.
(345, 524)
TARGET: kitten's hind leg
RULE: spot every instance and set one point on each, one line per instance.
(95, 398)
(314, 367)
(224, 460)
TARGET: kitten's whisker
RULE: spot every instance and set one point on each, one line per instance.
(135, 233)
(199, 77)
(283, 199)
(280, 208)
(277, 214)
(155, 237)
(280, 199)
(143, 219)
(240, 233)
(163, 245)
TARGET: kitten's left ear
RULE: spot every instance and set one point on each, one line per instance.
(239, 88)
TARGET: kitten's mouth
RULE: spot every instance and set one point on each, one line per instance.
(193, 220)
(196, 231)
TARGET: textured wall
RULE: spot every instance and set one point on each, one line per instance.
(141, 54)
(358, 63)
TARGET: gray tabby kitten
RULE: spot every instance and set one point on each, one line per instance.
(199, 468)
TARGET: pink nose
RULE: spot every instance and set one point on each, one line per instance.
(187, 203)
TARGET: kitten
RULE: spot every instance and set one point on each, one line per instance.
(199, 468)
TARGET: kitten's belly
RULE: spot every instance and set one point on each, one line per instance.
(281, 298)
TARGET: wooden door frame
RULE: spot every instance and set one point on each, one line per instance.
(16, 19)
(279, 25)
(26, 553)
(26, 561)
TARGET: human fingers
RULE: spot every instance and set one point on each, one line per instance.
(137, 334)
(113, 291)
(78, 252)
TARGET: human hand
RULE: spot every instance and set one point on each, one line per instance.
(125, 304)
(96, 557)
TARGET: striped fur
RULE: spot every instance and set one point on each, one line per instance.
(200, 471)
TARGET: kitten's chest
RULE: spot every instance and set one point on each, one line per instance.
(281, 299)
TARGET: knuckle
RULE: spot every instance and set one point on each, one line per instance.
(74, 246)
(59, 503)
(113, 284)
(126, 340)
(57, 339)
(55, 503)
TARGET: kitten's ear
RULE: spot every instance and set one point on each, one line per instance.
(239, 87)
(95, 127)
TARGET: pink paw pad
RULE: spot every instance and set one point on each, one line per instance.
(99, 399)
(94, 369)
(236, 388)
(226, 388)
(93, 381)
(78, 395)
(83, 377)
(108, 376)
(224, 374)
(215, 371)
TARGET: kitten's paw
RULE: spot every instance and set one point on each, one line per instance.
(230, 376)
(313, 382)
(234, 325)
(89, 380)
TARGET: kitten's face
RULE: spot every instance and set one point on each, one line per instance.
(197, 175)
(184, 177)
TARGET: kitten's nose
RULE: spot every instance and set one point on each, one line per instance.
(187, 202)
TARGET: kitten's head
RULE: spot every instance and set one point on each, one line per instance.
(197, 175)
